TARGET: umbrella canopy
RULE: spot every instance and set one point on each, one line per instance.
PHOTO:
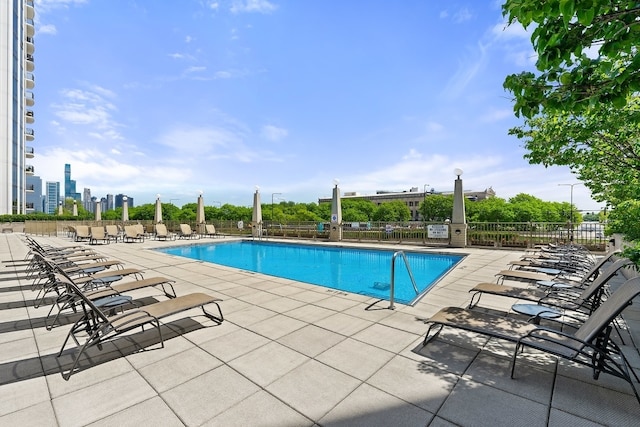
(256, 218)
(157, 218)
(75, 209)
(98, 213)
(60, 208)
(125, 209)
(200, 219)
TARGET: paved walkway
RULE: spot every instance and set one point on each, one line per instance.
(292, 354)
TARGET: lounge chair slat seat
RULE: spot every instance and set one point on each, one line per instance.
(145, 283)
(82, 233)
(562, 298)
(99, 327)
(133, 233)
(162, 233)
(187, 233)
(589, 345)
(178, 304)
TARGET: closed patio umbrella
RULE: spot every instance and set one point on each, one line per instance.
(75, 208)
(256, 218)
(125, 209)
(157, 218)
(200, 218)
(98, 213)
(335, 233)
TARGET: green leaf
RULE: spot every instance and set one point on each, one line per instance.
(585, 16)
(619, 101)
(566, 78)
(567, 8)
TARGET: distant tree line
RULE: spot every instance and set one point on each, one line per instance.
(521, 208)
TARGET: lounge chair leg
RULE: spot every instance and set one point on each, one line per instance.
(513, 359)
(427, 338)
(218, 319)
(173, 291)
(475, 301)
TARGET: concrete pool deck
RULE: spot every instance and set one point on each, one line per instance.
(293, 354)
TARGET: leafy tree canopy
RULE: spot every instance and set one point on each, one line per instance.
(602, 146)
(437, 207)
(392, 211)
(586, 54)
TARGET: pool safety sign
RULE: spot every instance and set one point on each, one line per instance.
(438, 231)
(334, 217)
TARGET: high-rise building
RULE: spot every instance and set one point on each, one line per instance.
(120, 198)
(16, 100)
(52, 197)
(34, 194)
(110, 202)
(70, 185)
(86, 200)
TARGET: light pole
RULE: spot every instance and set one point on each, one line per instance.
(424, 212)
(273, 194)
(571, 207)
(424, 200)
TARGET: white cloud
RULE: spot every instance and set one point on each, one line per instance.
(43, 6)
(47, 29)
(252, 6)
(201, 140)
(274, 133)
(181, 56)
(89, 108)
(462, 15)
(467, 70)
(195, 69)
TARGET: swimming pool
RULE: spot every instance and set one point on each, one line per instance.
(360, 271)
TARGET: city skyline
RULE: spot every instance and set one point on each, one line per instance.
(221, 96)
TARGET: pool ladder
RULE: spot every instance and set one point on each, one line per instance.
(393, 276)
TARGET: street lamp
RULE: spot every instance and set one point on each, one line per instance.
(424, 208)
(273, 194)
(571, 207)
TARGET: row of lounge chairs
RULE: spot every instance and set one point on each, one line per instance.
(580, 312)
(136, 233)
(89, 291)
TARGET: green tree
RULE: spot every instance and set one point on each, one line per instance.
(358, 210)
(602, 146)
(392, 211)
(565, 34)
(493, 209)
(144, 212)
(625, 219)
(437, 207)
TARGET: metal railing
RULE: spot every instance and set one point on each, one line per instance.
(393, 276)
(519, 235)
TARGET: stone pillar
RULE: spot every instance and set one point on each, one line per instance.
(458, 219)
(335, 227)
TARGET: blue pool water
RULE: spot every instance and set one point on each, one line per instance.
(360, 271)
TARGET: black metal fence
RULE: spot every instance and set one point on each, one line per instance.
(480, 234)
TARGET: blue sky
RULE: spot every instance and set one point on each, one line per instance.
(174, 97)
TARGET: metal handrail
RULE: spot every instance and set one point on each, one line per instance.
(393, 276)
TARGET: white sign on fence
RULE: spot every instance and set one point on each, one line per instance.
(438, 231)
